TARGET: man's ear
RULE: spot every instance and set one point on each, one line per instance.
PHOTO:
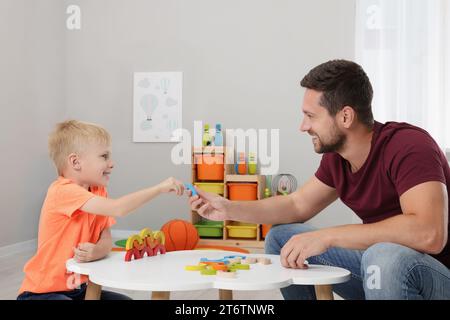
(74, 161)
(347, 116)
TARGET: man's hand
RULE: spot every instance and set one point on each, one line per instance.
(210, 205)
(86, 252)
(302, 246)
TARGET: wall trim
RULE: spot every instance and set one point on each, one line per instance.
(122, 234)
(31, 245)
(19, 247)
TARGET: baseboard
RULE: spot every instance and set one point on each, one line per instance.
(122, 234)
(18, 248)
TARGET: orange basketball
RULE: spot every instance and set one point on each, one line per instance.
(180, 235)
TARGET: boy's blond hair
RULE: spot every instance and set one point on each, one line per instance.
(70, 137)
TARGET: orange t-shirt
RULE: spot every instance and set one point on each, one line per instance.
(62, 227)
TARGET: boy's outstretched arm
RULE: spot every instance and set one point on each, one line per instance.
(125, 205)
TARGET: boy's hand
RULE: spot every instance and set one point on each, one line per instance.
(86, 252)
(172, 185)
(210, 205)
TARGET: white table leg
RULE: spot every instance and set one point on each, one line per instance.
(93, 291)
(324, 292)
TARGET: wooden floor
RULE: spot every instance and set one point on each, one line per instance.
(11, 277)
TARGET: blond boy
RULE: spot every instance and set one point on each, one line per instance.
(76, 215)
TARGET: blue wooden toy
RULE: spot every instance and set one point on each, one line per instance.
(191, 187)
(224, 261)
(234, 257)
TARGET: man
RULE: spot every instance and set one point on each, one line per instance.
(392, 175)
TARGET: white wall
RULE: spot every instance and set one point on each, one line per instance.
(241, 61)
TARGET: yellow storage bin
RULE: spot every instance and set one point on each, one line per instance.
(242, 230)
(213, 187)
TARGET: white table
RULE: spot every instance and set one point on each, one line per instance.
(164, 273)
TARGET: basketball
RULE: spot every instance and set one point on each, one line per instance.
(180, 235)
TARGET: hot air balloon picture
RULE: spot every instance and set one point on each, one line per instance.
(148, 103)
(157, 106)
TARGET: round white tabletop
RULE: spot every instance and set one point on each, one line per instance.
(166, 273)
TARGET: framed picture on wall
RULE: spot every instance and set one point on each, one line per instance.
(157, 106)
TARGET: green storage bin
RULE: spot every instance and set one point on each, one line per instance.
(210, 229)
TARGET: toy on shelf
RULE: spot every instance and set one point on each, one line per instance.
(206, 139)
(268, 179)
(180, 235)
(146, 242)
(241, 165)
(284, 184)
(267, 191)
(252, 162)
(218, 137)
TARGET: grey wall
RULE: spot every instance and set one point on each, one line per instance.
(241, 61)
(32, 64)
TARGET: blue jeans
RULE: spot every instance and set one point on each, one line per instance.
(383, 271)
(77, 294)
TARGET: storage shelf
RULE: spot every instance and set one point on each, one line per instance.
(229, 176)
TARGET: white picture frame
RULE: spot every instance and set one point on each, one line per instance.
(157, 106)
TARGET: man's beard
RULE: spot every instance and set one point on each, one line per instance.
(337, 142)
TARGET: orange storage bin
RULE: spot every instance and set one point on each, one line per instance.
(242, 191)
(265, 229)
(209, 167)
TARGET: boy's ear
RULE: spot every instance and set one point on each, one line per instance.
(74, 162)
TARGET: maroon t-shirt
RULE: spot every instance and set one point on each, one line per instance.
(401, 157)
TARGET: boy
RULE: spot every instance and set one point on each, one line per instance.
(76, 215)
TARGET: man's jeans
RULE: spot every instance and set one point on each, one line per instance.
(383, 271)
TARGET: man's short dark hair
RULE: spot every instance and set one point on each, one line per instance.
(342, 83)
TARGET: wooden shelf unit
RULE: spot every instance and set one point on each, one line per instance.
(229, 176)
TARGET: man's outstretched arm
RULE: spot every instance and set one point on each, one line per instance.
(299, 206)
